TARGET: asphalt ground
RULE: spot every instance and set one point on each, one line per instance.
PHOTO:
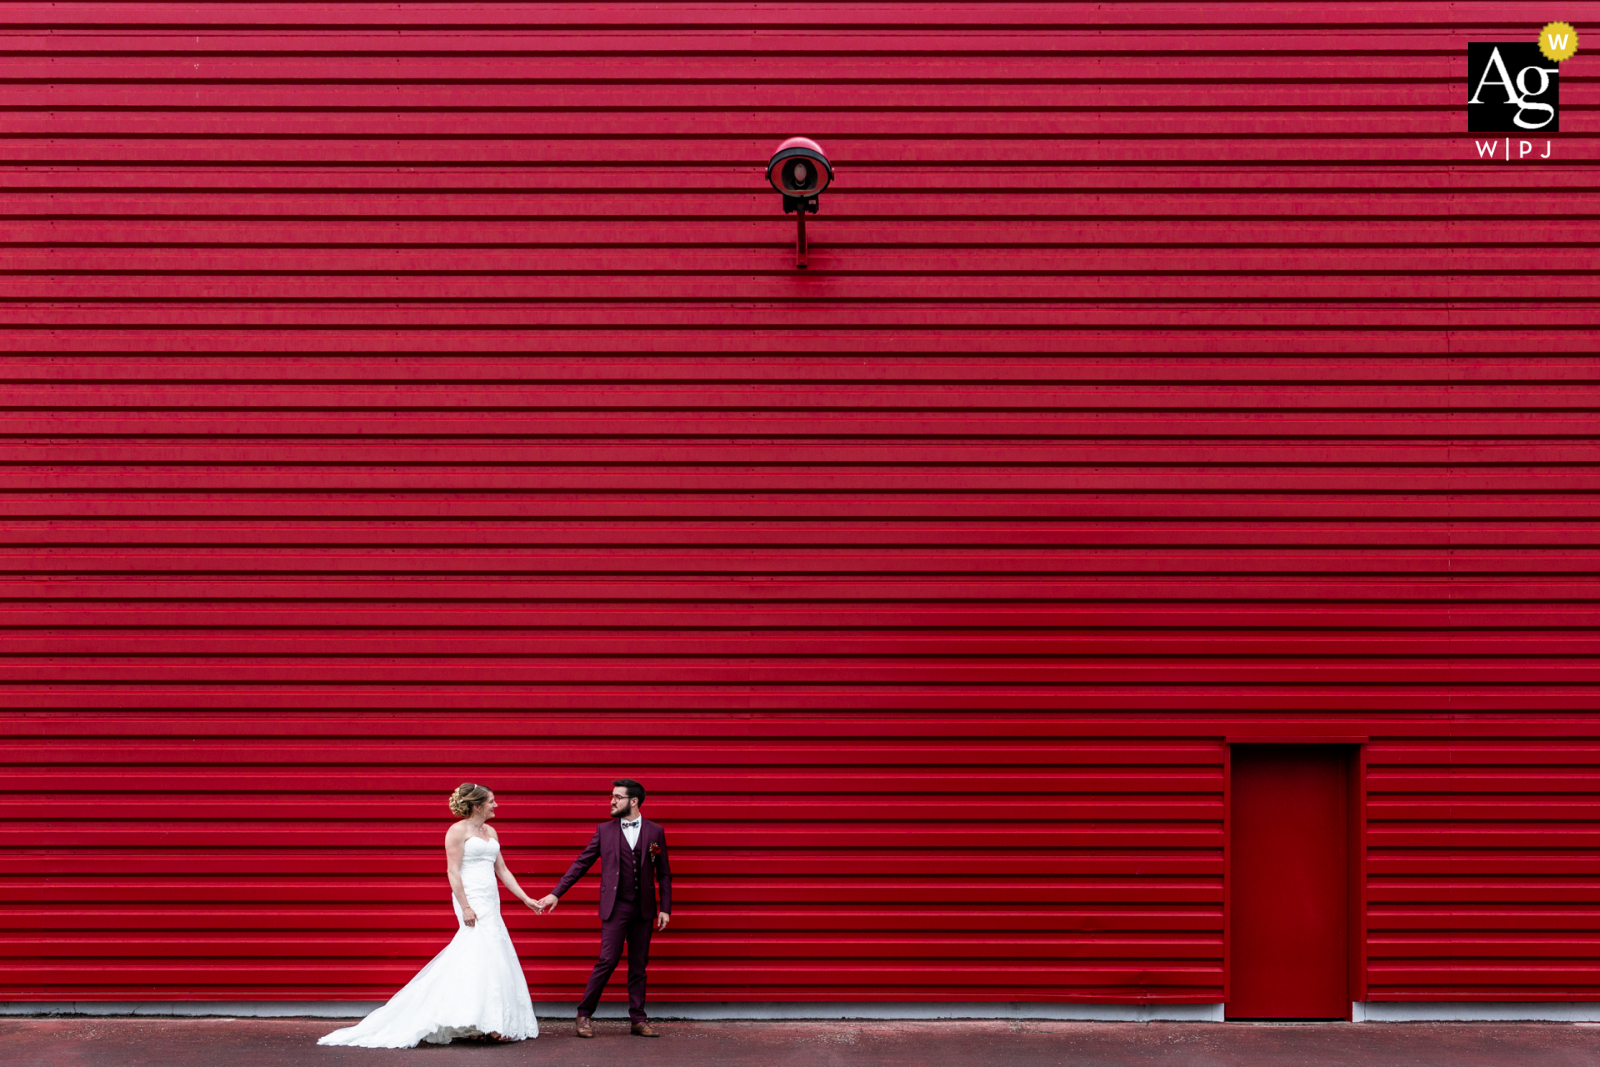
(205, 1042)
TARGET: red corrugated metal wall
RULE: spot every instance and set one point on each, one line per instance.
(1484, 867)
(397, 394)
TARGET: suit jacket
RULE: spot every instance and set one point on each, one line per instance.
(606, 846)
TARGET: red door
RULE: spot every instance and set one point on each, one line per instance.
(1288, 954)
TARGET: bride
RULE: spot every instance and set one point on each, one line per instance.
(475, 987)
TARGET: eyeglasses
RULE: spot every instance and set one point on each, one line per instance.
(621, 796)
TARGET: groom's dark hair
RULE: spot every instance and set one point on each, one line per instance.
(635, 790)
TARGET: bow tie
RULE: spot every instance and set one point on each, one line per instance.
(630, 825)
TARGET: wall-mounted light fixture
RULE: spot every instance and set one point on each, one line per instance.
(800, 171)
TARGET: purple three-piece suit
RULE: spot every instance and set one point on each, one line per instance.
(628, 879)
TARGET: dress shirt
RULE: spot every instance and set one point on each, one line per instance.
(630, 830)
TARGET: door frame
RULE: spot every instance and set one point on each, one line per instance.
(1355, 857)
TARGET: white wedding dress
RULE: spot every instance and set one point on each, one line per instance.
(475, 986)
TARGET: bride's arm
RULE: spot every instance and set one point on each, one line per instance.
(510, 880)
(455, 843)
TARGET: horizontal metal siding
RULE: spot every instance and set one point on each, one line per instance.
(1484, 869)
(853, 856)
(397, 394)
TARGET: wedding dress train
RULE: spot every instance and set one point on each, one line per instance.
(475, 986)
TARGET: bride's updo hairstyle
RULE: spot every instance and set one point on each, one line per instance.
(467, 797)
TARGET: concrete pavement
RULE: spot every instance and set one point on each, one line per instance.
(207, 1042)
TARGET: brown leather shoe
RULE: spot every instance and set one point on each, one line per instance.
(644, 1030)
(585, 1027)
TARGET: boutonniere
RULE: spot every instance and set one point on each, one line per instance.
(655, 850)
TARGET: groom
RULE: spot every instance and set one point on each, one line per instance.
(632, 852)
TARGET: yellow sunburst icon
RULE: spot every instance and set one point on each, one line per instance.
(1558, 41)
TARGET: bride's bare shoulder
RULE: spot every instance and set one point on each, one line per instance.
(457, 833)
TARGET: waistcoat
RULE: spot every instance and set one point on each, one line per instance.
(628, 869)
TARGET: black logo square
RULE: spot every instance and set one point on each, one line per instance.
(1511, 88)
